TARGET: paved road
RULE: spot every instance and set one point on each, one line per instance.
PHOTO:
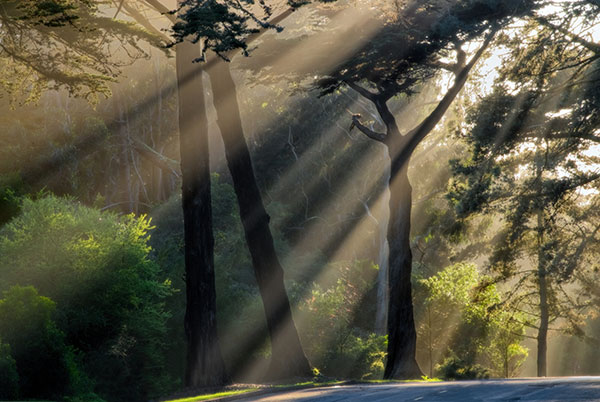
(548, 389)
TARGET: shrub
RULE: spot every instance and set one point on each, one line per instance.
(454, 368)
(109, 302)
(333, 341)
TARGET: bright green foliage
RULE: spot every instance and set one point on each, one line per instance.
(463, 327)
(333, 341)
(109, 304)
(504, 353)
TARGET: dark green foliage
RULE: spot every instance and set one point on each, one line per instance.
(220, 25)
(35, 343)
(454, 368)
(109, 303)
(405, 52)
(224, 25)
(9, 377)
(336, 324)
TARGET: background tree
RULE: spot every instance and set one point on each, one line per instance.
(524, 143)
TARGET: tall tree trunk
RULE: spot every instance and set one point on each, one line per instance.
(204, 364)
(542, 337)
(287, 356)
(402, 335)
(383, 294)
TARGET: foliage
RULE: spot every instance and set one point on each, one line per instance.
(464, 327)
(531, 162)
(504, 353)
(333, 338)
(224, 25)
(109, 304)
(43, 361)
(62, 44)
(9, 377)
(407, 50)
(455, 368)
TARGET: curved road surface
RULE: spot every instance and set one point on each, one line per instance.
(526, 389)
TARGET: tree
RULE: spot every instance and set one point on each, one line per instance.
(287, 358)
(53, 44)
(287, 355)
(464, 326)
(524, 143)
(434, 29)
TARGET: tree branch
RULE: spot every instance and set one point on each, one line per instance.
(594, 47)
(414, 137)
(365, 130)
(156, 158)
(361, 91)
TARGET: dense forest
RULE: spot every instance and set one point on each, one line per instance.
(197, 193)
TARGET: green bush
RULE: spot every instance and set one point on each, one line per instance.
(109, 302)
(454, 368)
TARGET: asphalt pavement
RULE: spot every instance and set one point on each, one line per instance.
(525, 389)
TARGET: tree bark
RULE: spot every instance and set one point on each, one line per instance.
(542, 337)
(402, 335)
(401, 360)
(204, 364)
(287, 356)
(383, 293)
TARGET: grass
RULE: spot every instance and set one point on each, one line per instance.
(306, 384)
(214, 396)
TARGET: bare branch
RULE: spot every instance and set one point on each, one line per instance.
(366, 130)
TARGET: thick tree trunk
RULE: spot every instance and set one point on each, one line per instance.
(287, 356)
(402, 335)
(204, 362)
(383, 294)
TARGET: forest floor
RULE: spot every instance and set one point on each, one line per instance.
(523, 389)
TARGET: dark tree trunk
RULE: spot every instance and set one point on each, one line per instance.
(542, 337)
(287, 356)
(402, 336)
(383, 294)
(204, 366)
